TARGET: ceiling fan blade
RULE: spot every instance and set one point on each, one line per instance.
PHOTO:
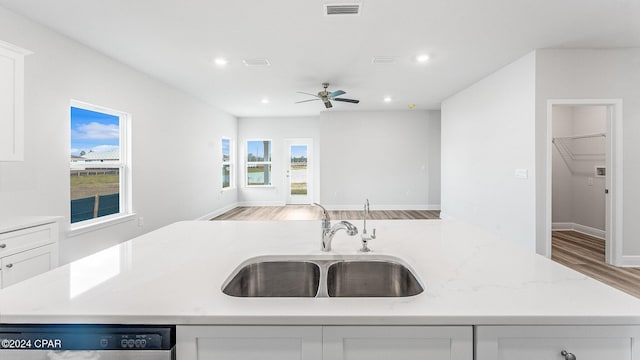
(300, 92)
(298, 102)
(347, 100)
(336, 93)
(327, 104)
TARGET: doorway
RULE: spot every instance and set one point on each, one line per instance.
(299, 174)
(584, 170)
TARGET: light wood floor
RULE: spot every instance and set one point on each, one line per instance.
(310, 212)
(585, 254)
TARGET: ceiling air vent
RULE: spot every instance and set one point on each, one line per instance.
(341, 9)
(384, 60)
(256, 62)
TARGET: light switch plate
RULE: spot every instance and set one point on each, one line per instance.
(522, 173)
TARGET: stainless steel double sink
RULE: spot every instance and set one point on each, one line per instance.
(299, 276)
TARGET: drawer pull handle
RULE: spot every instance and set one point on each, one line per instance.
(2, 246)
(9, 266)
(567, 355)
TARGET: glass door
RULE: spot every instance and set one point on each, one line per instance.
(298, 171)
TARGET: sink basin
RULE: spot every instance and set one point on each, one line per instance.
(275, 279)
(371, 279)
(323, 276)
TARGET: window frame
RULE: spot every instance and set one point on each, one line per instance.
(247, 163)
(230, 163)
(123, 165)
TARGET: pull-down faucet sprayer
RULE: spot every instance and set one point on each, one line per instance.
(329, 231)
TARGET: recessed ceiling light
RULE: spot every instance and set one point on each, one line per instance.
(265, 101)
(387, 99)
(220, 61)
(422, 58)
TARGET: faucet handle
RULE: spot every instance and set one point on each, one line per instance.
(365, 241)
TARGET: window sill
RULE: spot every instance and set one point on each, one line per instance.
(259, 187)
(97, 224)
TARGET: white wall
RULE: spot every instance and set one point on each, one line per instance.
(488, 133)
(276, 130)
(392, 158)
(562, 200)
(593, 74)
(176, 138)
(578, 195)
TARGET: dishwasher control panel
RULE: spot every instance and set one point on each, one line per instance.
(86, 337)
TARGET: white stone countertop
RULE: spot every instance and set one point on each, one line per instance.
(174, 275)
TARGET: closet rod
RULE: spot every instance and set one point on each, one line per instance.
(582, 136)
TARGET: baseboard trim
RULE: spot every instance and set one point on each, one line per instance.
(382, 207)
(579, 228)
(261, 203)
(630, 261)
(217, 212)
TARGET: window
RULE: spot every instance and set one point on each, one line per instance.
(99, 166)
(258, 162)
(227, 165)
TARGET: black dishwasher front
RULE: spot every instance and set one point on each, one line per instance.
(87, 342)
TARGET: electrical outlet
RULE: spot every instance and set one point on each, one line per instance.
(140, 221)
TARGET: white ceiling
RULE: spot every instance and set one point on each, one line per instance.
(176, 42)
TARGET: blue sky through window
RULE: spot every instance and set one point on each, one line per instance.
(93, 131)
(225, 146)
(256, 148)
(298, 151)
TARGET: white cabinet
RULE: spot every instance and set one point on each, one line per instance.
(27, 252)
(324, 342)
(11, 102)
(249, 342)
(27, 264)
(548, 342)
(397, 342)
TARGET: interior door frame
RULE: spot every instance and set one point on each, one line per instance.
(310, 165)
(613, 180)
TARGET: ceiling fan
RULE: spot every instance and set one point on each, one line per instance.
(327, 96)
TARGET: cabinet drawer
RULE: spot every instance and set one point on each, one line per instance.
(20, 240)
(249, 342)
(548, 342)
(26, 264)
(397, 342)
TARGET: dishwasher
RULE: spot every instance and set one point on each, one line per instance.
(87, 342)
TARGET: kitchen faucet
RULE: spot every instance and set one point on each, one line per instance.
(366, 237)
(329, 231)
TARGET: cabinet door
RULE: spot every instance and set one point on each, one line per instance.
(548, 342)
(398, 342)
(27, 264)
(11, 102)
(249, 342)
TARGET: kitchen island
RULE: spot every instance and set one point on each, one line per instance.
(174, 275)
